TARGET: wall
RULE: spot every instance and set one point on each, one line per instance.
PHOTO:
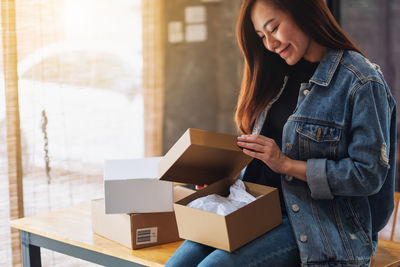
(202, 78)
(374, 26)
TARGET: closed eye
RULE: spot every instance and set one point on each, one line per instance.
(274, 29)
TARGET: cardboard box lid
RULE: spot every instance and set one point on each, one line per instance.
(202, 157)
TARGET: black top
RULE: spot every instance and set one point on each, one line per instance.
(257, 171)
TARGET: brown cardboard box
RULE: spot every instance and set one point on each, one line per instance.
(137, 230)
(203, 157)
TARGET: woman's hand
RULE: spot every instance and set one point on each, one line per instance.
(264, 149)
(199, 187)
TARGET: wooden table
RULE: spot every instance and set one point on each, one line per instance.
(69, 231)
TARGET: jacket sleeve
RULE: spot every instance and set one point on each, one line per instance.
(365, 169)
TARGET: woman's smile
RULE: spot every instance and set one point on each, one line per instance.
(284, 51)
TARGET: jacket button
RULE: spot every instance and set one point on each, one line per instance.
(305, 92)
(288, 146)
(303, 238)
(288, 178)
(295, 207)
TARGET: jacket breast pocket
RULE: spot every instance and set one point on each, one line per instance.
(318, 141)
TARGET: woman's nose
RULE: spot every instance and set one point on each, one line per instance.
(271, 43)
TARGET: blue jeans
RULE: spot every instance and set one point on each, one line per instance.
(276, 248)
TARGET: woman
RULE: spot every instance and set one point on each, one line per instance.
(309, 90)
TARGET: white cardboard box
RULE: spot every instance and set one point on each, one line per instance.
(132, 186)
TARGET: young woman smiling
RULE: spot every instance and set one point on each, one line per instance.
(320, 122)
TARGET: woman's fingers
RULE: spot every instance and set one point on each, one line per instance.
(258, 143)
(198, 187)
(253, 154)
(254, 138)
(264, 149)
(252, 146)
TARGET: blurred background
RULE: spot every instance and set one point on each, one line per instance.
(87, 80)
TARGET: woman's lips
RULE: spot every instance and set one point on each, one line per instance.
(282, 52)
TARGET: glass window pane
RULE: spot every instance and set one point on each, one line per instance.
(80, 102)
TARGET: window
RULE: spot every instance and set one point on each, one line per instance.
(80, 102)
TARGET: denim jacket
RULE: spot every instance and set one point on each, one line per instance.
(344, 126)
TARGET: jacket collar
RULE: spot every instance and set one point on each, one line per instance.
(327, 67)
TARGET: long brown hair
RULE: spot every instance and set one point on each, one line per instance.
(264, 71)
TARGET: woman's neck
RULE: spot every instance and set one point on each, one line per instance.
(315, 52)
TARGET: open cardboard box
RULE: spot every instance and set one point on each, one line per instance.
(203, 157)
(137, 230)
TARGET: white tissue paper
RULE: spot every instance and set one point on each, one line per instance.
(237, 198)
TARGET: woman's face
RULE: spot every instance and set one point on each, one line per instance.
(280, 34)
